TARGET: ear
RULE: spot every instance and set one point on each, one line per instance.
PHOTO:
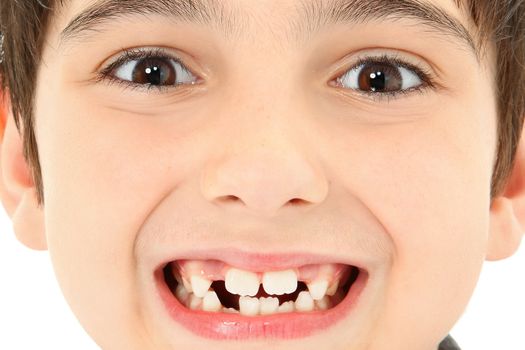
(507, 212)
(17, 189)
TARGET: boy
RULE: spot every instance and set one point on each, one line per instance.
(292, 174)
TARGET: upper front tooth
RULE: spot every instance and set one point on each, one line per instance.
(200, 285)
(241, 282)
(318, 289)
(280, 282)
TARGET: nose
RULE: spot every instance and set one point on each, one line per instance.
(263, 172)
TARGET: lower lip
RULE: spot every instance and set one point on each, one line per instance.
(224, 326)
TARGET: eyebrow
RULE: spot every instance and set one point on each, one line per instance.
(313, 15)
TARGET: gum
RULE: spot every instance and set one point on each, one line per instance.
(215, 270)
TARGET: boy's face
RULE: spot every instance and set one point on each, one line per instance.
(268, 161)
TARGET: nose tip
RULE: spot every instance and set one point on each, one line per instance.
(257, 187)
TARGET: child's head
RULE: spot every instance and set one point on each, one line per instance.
(169, 142)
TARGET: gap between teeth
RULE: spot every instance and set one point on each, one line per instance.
(196, 293)
(247, 283)
(251, 306)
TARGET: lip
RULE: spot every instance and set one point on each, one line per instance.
(262, 261)
(226, 326)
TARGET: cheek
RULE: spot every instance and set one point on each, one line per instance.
(428, 184)
(103, 174)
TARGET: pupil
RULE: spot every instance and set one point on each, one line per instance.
(377, 81)
(153, 75)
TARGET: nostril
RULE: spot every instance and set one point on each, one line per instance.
(229, 198)
(298, 201)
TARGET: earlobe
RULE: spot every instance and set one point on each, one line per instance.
(17, 189)
(507, 212)
(28, 222)
(505, 230)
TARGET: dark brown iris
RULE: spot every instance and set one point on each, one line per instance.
(154, 72)
(380, 78)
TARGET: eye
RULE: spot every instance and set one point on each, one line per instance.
(148, 68)
(384, 76)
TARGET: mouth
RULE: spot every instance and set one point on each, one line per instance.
(217, 300)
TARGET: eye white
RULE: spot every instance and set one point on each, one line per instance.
(125, 72)
(409, 78)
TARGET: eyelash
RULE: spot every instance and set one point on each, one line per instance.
(158, 53)
(135, 55)
(424, 75)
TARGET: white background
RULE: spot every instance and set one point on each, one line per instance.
(34, 314)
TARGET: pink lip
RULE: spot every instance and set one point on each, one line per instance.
(224, 326)
(260, 261)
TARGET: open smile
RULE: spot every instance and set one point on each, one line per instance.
(218, 300)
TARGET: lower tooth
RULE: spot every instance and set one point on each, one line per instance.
(181, 293)
(288, 306)
(194, 302)
(268, 305)
(229, 310)
(304, 302)
(333, 288)
(338, 297)
(211, 302)
(323, 304)
(249, 306)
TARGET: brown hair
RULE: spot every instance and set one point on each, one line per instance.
(502, 22)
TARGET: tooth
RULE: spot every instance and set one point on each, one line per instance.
(249, 306)
(177, 276)
(187, 284)
(323, 304)
(333, 288)
(242, 282)
(304, 302)
(229, 310)
(211, 302)
(318, 289)
(194, 302)
(288, 306)
(268, 305)
(338, 297)
(200, 285)
(181, 293)
(280, 282)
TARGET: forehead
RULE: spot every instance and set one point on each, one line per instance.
(297, 19)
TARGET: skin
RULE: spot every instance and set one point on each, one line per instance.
(129, 175)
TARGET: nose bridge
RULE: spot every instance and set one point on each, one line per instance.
(263, 163)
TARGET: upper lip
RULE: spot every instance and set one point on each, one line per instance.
(265, 261)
